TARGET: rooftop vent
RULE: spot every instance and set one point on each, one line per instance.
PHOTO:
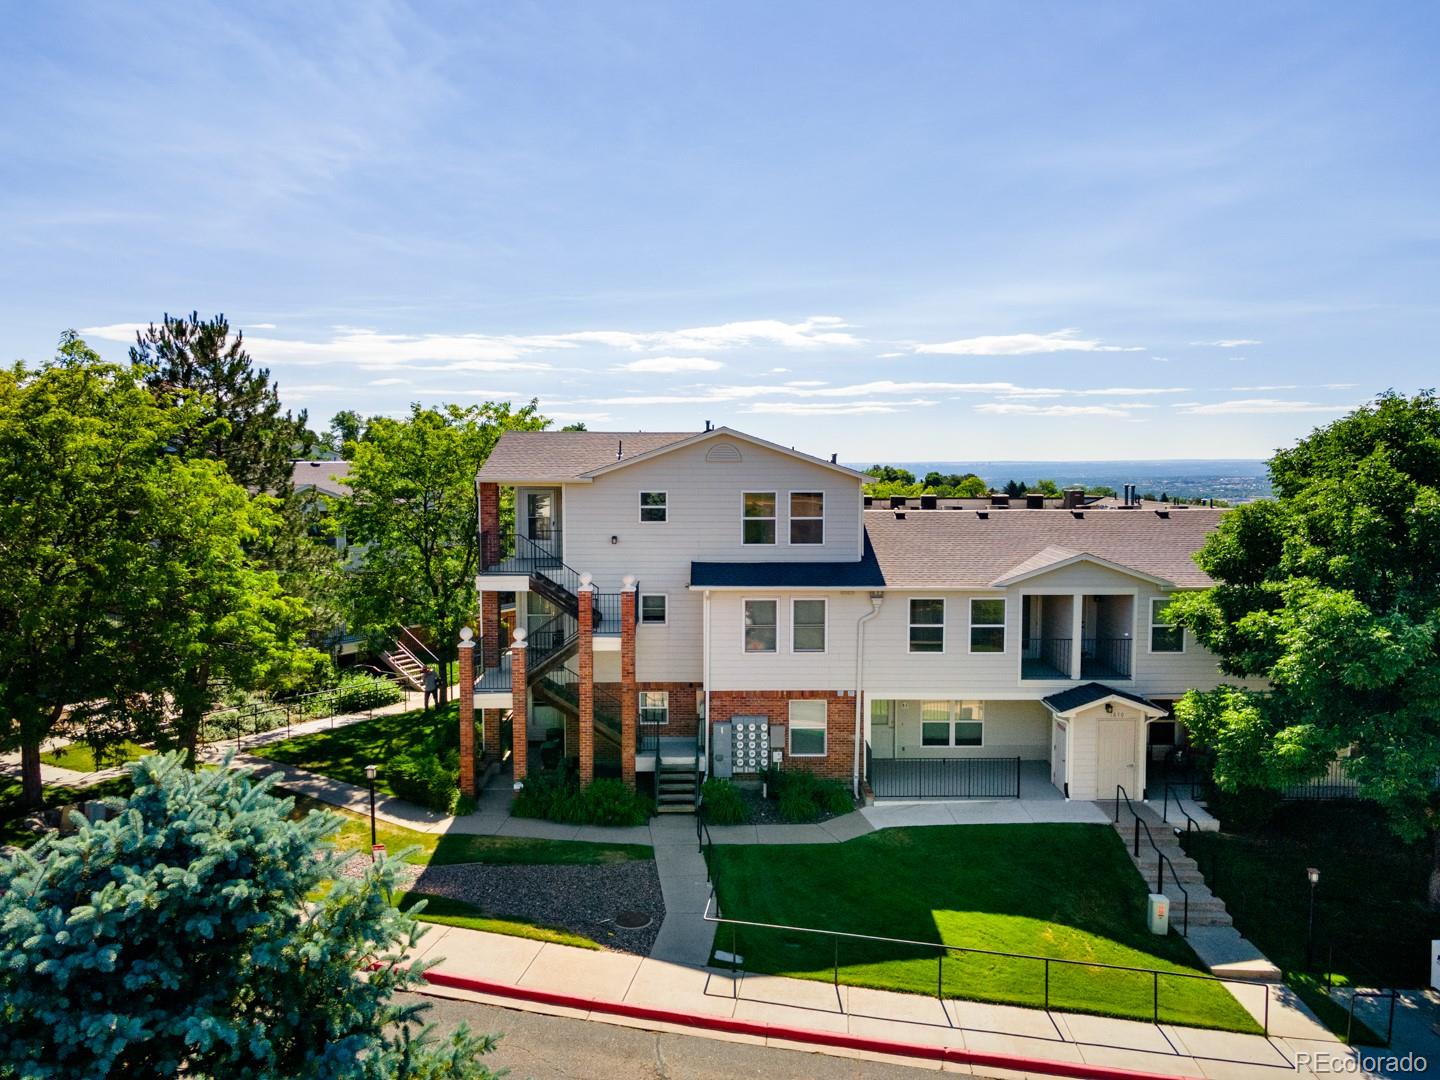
(835, 459)
(723, 452)
(897, 502)
(983, 515)
(868, 501)
(899, 515)
(1162, 513)
(928, 502)
(1001, 501)
(1074, 497)
(709, 426)
(1078, 515)
(1034, 502)
(619, 449)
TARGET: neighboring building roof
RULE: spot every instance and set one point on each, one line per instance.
(566, 455)
(1076, 698)
(864, 574)
(1053, 558)
(959, 549)
(324, 476)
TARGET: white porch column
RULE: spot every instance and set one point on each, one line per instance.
(1077, 625)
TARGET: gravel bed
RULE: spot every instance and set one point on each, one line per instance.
(357, 864)
(581, 899)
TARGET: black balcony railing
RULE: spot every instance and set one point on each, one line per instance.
(945, 778)
(607, 613)
(1046, 658)
(1105, 658)
(549, 638)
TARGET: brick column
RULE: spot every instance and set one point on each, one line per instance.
(490, 729)
(489, 498)
(586, 662)
(519, 709)
(467, 712)
(492, 637)
(629, 702)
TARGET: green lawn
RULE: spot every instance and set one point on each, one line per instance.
(1067, 892)
(80, 757)
(11, 812)
(343, 753)
(444, 911)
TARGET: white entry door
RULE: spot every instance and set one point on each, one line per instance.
(1115, 758)
(1059, 738)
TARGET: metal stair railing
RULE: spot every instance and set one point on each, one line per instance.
(1161, 860)
(548, 640)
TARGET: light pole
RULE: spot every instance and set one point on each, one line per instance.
(1314, 875)
(370, 776)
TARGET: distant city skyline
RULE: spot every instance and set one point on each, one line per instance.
(926, 231)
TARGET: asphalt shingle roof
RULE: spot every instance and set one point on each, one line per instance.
(864, 574)
(326, 476)
(564, 455)
(959, 549)
(1077, 697)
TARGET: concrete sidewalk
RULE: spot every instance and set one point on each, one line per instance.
(818, 1006)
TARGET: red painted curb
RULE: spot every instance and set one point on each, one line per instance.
(802, 1035)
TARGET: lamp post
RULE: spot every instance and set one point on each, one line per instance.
(370, 776)
(1314, 875)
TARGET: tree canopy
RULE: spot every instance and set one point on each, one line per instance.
(1328, 596)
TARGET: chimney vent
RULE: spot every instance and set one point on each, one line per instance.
(619, 449)
(983, 515)
(1162, 514)
(928, 502)
(1034, 502)
(1074, 498)
(899, 515)
(708, 426)
(835, 459)
(1078, 515)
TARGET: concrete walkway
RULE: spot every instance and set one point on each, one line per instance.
(661, 981)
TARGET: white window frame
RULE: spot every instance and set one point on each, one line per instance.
(774, 519)
(824, 625)
(1001, 626)
(822, 726)
(743, 626)
(1150, 631)
(953, 717)
(790, 518)
(640, 706)
(910, 626)
(664, 507)
(654, 622)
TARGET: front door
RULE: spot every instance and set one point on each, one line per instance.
(1059, 739)
(1115, 754)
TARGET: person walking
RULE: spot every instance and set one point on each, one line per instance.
(432, 688)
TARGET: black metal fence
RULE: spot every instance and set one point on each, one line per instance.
(607, 613)
(945, 778)
(1102, 658)
(1334, 783)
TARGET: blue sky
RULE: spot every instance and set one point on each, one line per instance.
(900, 231)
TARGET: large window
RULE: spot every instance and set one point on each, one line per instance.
(1165, 635)
(758, 525)
(807, 517)
(952, 723)
(927, 625)
(654, 706)
(653, 506)
(987, 626)
(652, 609)
(807, 626)
(807, 728)
(760, 616)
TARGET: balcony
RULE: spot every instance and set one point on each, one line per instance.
(1105, 658)
(1046, 658)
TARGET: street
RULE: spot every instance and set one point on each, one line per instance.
(542, 1047)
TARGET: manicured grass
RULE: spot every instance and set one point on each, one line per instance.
(447, 912)
(11, 812)
(343, 753)
(80, 757)
(1066, 892)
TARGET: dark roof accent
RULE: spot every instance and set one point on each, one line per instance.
(564, 455)
(864, 574)
(1079, 696)
(326, 476)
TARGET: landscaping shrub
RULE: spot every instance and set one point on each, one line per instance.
(803, 796)
(610, 802)
(358, 692)
(1248, 810)
(556, 796)
(426, 778)
(723, 803)
(834, 797)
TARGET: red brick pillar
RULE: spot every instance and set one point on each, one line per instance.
(519, 709)
(490, 729)
(629, 701)
(492, 635)
(586, 661)
(467, 712)
(489, 496)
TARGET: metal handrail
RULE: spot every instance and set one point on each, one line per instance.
(1162, 861)
(607, 608)
(1110, 653)
(1190, 822)
(547, 639)
(407, 632)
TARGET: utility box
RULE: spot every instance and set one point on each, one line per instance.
(723, 764)
(1159, 913)
(750, 746)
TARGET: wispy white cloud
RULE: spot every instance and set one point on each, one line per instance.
(1262, 389)
(1245, 406)
(834, 408)
(394, 381)
(1023, 345)
(878, 388)
(889, 355)
(1017, 408)
(1229, 343)
(671, 365)
(261, 326)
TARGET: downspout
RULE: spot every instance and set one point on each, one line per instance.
(705, 677)
(876, 599)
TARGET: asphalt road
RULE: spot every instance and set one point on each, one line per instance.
(542, 1047)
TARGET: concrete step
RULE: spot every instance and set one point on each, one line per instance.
(675, 808)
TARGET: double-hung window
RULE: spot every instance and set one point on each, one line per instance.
(952, 723)
(987, 625)
(652, 609)
(807, 729)
(654, 706)
(1165, 634)
(653, 507)
(758, 523)
(927, 625)
(760, 625)
(807, 517)
(807, 626)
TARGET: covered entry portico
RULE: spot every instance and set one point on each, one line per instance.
(1097, 740)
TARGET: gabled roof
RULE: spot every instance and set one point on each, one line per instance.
(325, 476)
(567, 455)
(1069, 702)
(728, 433)
(1052, 558)
(959, 549)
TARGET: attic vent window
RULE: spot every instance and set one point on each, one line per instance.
(723, 453)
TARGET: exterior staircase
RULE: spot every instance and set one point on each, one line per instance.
(401, 659)
(676, 787)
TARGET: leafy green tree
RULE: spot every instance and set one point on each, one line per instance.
(238, 420)
(80, 442)
(891, 474)
(1330, 593)
(1045, 487)
(413, 510)
(578, 425)
(193, 935)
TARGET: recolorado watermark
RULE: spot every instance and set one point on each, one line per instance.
(1355, 1064)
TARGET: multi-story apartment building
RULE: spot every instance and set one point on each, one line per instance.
(713, 602)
